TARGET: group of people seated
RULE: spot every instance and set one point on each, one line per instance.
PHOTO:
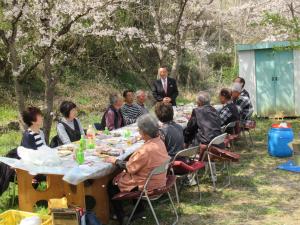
(162, 140)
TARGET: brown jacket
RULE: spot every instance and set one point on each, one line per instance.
(151, 155)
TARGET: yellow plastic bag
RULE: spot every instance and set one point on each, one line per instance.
(14, 217)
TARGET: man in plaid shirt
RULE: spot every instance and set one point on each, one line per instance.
(242, 82)
(243, 103)
(229, 113)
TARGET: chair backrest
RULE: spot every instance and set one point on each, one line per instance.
(217, 140)
(230, 125)
(189, 152)
(163, 168)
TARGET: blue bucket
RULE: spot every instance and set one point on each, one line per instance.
(278, 140)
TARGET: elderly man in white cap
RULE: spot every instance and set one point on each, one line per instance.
(242, 102)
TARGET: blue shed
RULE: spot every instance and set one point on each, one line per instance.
(272, 74)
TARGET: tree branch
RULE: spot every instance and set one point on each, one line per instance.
(15, 22)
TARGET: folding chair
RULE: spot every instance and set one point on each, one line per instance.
(182, 169)
(213, 153)
(151, 195)
(246, 126)
(229, 140)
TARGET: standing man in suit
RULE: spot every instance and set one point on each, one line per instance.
(165, 89)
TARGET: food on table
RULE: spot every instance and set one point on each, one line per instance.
(116, 135)
(65, 150)
(108, 150)
(112, 141)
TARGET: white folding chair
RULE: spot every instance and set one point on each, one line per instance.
(216, 141)
(230, 125)
(187, 169)
(145, 195)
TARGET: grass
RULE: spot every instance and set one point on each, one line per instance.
(259, 194)
(7, 114)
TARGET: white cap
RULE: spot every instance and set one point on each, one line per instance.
(237, 87)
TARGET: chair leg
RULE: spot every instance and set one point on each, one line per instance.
(152, 210)
(133, 211)
(212, 173)
(198, 185)
(228, 166)
(176, 192)
(252, 145)
(232, 146)
(173, 206)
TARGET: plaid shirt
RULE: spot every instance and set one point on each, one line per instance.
(225, 114)
(245, 93)
(229, 113)
(244, 106)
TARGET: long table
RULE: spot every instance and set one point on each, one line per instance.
(68, 178)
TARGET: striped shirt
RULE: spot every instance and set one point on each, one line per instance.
(33, 140)
(131, 113)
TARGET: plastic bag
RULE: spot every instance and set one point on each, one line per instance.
(44, 156)
(34, 220)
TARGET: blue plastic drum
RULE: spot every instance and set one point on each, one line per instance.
(278, 140)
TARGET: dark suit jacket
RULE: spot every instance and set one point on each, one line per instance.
(159, 93)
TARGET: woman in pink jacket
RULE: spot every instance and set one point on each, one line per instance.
(136, 170)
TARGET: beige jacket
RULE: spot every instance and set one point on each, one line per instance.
(151, 155)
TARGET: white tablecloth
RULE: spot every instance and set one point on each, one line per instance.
(94, 166)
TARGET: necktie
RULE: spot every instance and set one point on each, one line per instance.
(165, 85)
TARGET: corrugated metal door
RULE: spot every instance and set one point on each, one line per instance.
(274, 82)
(284, 79)
(265, 87)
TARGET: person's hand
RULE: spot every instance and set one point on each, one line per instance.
(110, 159)
(167, 100)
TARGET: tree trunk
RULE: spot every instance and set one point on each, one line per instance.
(175, 65)
(17, 84)
(49, 96)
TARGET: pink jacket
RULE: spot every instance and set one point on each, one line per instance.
(151, 155)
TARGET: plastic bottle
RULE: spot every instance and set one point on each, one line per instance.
(82, 143)
(127, 134)
(90, 134)
(80, 156)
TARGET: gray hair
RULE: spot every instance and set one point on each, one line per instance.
(139, 92)
(148, 124)
(113, 98)
(203, 97)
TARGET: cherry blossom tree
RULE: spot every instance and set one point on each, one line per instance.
(36, 29)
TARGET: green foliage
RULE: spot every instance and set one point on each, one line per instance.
(229, 73)
(220, 59)
(284, 25)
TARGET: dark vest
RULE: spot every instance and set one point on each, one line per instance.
(116, 124)
(75, 134)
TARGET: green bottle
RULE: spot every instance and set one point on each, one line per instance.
(127, 134)
(80, 156)
(82, 143)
